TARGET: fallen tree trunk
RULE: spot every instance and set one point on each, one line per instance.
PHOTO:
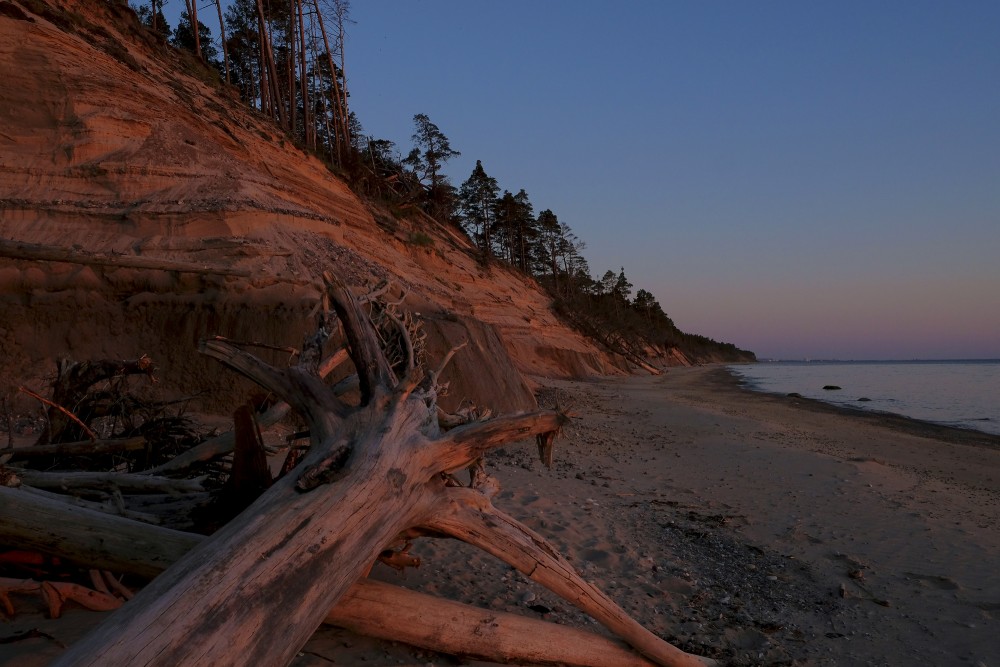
(389, 612)
(89, 538)
(82, 448)
(122, 481)
(371, 608)
(372, 472)
(107, 506)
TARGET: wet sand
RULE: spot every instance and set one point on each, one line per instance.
(757, 529)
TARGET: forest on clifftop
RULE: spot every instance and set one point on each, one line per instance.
(286, 60)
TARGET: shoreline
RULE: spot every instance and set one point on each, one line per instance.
(873, 508)
(911, 425)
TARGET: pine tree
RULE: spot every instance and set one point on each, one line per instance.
(243, 44)
(621, 290)
(431, 151)
(185, 38)
(606, 284)
(644, 303)
(569, 249)
(151, 15)
(477, 199)
(547, 248)
(524, 231)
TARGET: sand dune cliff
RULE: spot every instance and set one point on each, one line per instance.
(110, 143)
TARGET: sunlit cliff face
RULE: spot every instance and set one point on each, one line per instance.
(135, 157)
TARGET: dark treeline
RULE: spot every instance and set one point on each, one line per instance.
(286, 59)
(504, 227)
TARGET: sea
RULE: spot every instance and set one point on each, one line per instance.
(960, 393)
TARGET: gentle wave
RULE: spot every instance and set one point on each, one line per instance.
(965, 394)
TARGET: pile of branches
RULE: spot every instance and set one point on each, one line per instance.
(102, 438)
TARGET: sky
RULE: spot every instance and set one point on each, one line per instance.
(801, 179)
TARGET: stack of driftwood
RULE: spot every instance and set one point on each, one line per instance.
(239, 566)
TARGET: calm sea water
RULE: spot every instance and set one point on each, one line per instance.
(956, 393)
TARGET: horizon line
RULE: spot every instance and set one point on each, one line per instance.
(896, 361)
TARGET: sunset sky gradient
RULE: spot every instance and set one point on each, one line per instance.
(813, 180)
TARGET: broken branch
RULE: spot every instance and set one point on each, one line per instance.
(464, 444)
(368, 358)
(86, 429)
(469, 516)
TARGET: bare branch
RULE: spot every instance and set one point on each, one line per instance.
(302, 390)
(380, 289)
(82, 448)
(86, 429)
(265, 375)
(373, 369)
(266, 346)
(469, 516)
(390, 612)
(436, 373)
(462, 445)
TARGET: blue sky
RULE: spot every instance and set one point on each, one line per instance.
(802, 179)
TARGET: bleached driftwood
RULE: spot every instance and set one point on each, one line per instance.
(81, 448)
(371, 608)
(389, 612)
(372, 472)
(121, 481)
(90, 538)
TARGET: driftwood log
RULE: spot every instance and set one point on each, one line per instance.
(108, 480)
(81, 448)
(267, 579)
(372, 608)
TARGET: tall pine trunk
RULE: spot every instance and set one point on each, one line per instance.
(308, 127)
(272, 74)
(222, 33)
(339, 108)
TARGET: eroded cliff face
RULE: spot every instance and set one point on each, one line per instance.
(109, 143)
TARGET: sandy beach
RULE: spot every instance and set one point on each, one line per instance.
(756, 529)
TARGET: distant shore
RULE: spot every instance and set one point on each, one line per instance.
(722, 377)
